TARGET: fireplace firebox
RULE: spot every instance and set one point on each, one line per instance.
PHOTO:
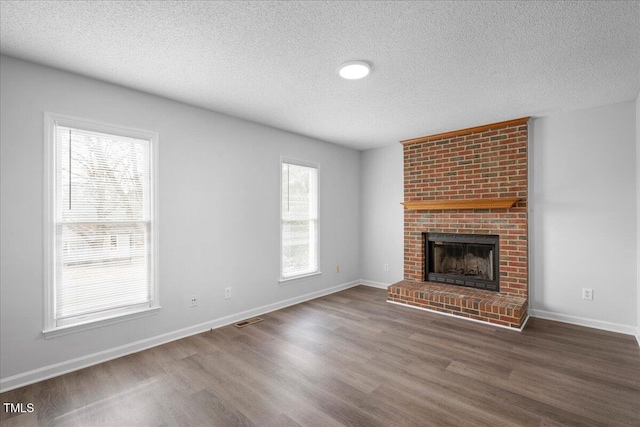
(470, 260)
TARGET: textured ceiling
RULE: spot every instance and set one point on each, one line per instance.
(437, 66)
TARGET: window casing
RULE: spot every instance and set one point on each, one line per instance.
(101, 228)
(299, 225)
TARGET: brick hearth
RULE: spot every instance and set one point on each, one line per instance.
(477, 304)
(483, 163)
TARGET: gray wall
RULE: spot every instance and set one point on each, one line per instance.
(583, 193)
(219, 214)
(638, 211)
(382, 238)
(584, 215)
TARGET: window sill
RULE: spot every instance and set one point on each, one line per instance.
(301, 277)
(91, 324)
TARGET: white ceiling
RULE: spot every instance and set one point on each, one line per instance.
(437, 66)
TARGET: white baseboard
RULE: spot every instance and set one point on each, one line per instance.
(56, 369)
(582, 321)
(638, 335)
(374, 284)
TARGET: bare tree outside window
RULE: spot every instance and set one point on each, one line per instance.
(103, 184)
(299, 219)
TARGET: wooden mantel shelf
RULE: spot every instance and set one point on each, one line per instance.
(437, 205)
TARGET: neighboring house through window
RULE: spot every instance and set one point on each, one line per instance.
(299, 219)
(101, 233)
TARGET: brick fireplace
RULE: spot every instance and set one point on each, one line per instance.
(470, 182)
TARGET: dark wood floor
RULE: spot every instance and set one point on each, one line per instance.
(352, 359)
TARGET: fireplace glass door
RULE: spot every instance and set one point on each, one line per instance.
(462, 259)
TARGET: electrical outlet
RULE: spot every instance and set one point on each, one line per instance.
(227, 293)
(193, 301)
(337, 269)
(587, 293)
(386, 267)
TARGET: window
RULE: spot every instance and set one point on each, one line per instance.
(299, 219)
(101, 228)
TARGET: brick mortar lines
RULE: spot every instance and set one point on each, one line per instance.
(490, 164)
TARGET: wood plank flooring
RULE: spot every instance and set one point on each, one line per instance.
(352, 359)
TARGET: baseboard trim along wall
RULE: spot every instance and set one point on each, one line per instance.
(57, 369)
(582, 321)
(374, 284)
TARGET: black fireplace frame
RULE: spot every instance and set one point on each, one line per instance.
(452, 279)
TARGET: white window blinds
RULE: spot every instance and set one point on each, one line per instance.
(299, 227)
(103, 233)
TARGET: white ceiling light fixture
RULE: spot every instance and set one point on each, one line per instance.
(354, 70)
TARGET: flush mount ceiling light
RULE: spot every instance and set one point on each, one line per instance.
(354, 70)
